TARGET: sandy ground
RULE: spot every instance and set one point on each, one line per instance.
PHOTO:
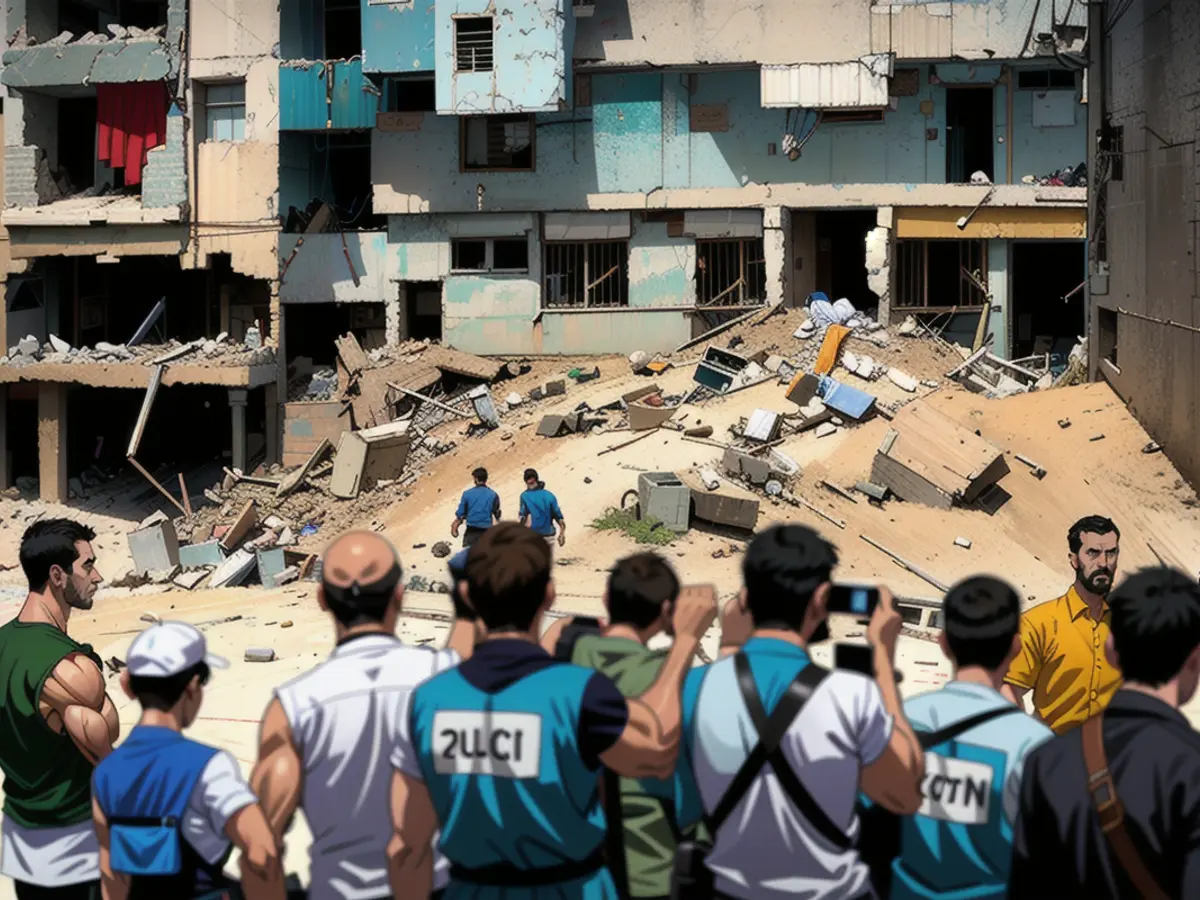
(1024, 541)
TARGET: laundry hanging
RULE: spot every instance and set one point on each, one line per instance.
(132, 121)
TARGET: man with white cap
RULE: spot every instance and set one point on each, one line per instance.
(169, 810)
(328, 734)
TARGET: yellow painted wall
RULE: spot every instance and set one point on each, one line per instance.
(1000, 222)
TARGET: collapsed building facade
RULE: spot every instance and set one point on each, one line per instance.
(559, 177)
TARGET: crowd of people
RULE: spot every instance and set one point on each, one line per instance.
(576, 761)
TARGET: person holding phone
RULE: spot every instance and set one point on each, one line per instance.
(766, 707)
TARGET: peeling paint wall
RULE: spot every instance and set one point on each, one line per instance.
(879, 261)
(662, 269)
(320, 273)
(531, 61)
(637, 137)
(1041, 150)
(398, 37)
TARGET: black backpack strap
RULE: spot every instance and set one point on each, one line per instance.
(580, 626)
(771, 732)
(614, 835)
(929, 739)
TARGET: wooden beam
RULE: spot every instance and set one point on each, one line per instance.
(162, 490)
(144, 416)
(187, 502)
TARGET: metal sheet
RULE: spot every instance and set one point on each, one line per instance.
(857, 84)
(355, 99)
(723, 223)
(303, 99)
(589, 226)
(485, 225)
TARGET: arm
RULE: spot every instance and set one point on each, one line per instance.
(277, 776)
(523, 512)
(74, 695)
(410, 850)
(113, 886)
(496, 509)
(556, 514)
(649, 742)
(893, 780)
(1025, 671)
(260, 863)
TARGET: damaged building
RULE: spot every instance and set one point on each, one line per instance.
(141, 247)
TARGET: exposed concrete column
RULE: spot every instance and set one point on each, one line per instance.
(393, 312)
(777, 239)
(5, 471)
(271, 404)
(237, 408)
(879, 261)
(52, 441)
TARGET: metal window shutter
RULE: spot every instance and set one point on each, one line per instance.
(723, 223)
(589, 226)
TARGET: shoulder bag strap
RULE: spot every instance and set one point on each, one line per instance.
(929, 739)
(1111, 812)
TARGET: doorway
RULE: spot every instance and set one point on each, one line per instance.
(1043, 274)
(841, 269)
(423, 310)
(969, 134)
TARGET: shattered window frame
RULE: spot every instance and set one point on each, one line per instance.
(730, 272)
(503, 147)
(230, 112)
(488, 263)
(585, 274)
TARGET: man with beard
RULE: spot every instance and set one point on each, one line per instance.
(1062, 658)
(56, 719)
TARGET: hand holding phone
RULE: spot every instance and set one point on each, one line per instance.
(852, 600)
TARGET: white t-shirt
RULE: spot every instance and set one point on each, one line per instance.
(345, 716)
(56, 857)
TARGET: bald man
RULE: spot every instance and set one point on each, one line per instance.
(327, 735)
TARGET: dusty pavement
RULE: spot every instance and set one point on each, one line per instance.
(1024, 541)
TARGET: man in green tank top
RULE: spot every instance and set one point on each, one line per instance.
(641, 592)
(57, 721)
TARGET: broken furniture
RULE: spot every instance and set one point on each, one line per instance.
(364, 457)
(926, 457)
(728, 504)
(662, 496)
(718, 369)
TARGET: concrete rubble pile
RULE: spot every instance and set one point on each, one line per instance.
(218, 351)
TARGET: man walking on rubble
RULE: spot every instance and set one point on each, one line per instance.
(539, 509)
(479, 509)
(1062, 657)
(56, 721)
(328, 734)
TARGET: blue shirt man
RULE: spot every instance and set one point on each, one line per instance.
(959, 844)
(503, 752)
(168, 810)
(539, 508)
(479, 508)
(850, 731)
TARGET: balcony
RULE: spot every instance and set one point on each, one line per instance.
(326, 96)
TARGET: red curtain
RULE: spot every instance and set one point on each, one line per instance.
(132, 121)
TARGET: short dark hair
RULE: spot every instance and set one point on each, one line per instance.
(163, 693)
(508, 570)
(480, 475)
(982, 616)
(783, 567)
(531, 475)
(1090, 525)
(1155, 624)
(638, 586)
(51, 542)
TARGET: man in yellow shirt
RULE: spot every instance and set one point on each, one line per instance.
(1062, 657)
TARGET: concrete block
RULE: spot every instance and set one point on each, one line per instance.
(270, 564)
(234, 570)
(259, 654)
(155, 548)
(209, 553)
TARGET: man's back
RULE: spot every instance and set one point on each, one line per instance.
(650, 836)
(542, 508)
(344, 717)
(1154, 759)
(962, 837)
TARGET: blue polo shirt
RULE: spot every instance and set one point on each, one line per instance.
(478, 505)
(542, 508)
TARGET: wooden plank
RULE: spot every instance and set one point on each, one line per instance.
(430, 400)
(162, 490)
(144, 416)
(351, 353)
(294, 479)
(241, 526)
(187, 502)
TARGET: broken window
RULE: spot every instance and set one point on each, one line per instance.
(473, 44)
(730, 273)
(225, 111)
(940, 276)
(503, 255)
(25, 293)
(586, 274)
(1045, 80)
(831, 116)
(497, 143)
(411, 94)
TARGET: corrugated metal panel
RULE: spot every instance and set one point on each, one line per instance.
(858, 84)
(303, 99)
(355, 98)
(484, 225)
(589, 226)
(714, 224)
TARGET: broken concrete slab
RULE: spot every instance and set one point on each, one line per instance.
(208, 553)
(59, 345)
(235, 570)
(154, 548)
(757, 471)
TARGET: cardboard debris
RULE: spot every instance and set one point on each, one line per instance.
(926, 457)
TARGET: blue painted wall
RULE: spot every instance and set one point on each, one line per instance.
(531, 67)
(306, 104)
(636, 137)
(398, 38)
